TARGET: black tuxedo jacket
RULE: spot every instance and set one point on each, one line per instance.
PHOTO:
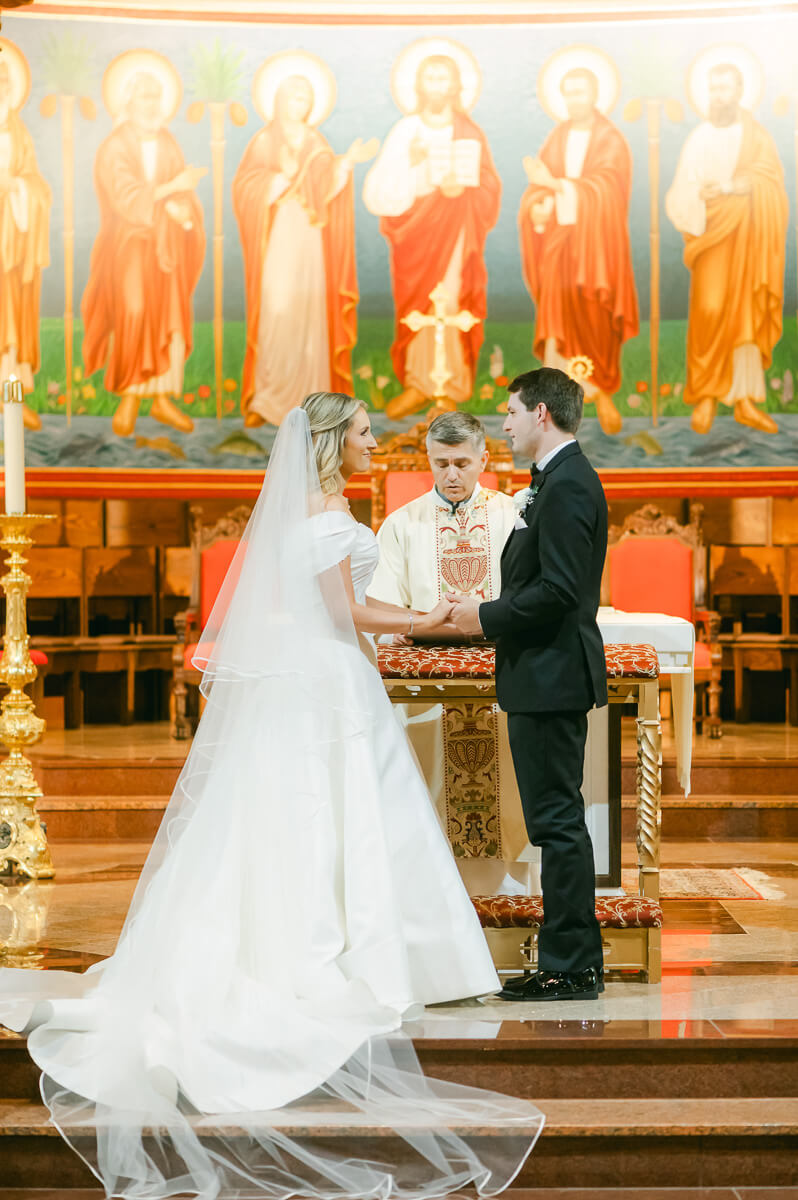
(549, 651)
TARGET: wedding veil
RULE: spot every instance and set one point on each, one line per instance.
(216, 1053)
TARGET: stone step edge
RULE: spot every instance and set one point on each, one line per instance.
(94, 803)
(630, 1117)
(101, 803)
(730, 1044)
(679, 800)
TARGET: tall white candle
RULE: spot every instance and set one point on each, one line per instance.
(14, 441)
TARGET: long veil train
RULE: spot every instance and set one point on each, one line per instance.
(236, 1043)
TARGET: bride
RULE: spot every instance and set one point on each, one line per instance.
(251, 1034)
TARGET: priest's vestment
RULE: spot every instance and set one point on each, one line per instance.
(427, 549)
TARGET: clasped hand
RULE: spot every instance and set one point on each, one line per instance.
(437, 620)
(464, 613)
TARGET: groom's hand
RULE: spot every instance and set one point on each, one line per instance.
(465, 613)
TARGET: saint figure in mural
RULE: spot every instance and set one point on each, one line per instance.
(25, 201)
(148, 255)
(729, 201)
(573, 226)
(437, 192)
(294, 202)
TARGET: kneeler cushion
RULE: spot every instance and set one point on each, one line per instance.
(525, 912)
(479, 662)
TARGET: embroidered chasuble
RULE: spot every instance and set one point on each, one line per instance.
(427, 549)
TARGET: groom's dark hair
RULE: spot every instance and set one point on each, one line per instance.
(561, 394)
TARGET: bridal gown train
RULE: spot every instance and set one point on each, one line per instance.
(299, 902)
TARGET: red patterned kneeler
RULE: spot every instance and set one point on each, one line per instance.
(479, 662)
(525, 912)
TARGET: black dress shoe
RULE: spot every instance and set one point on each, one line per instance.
(556, 985)
(517, 983)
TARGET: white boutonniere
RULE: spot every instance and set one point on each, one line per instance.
(520, 499)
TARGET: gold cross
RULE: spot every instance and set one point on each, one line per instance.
(440, 319)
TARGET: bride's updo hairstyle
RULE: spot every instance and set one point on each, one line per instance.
(330, 415)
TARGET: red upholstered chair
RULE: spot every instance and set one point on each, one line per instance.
(402, 459)
(657, 565)
(403, 486)
(213, 546)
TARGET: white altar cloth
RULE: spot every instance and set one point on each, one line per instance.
(673, 638)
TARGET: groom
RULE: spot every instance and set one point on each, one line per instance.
(550, 670)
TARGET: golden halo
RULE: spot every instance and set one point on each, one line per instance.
(18, 72)
(280, 67)
(565, 60)
(405, 69)
(728, 52)
(121, 70)
(580, 368)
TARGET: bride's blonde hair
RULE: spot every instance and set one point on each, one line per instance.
(329, 416)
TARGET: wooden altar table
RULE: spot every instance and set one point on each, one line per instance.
(437, 674)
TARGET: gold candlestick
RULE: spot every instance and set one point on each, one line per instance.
(22, 841)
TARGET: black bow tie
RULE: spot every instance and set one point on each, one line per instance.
(535, 475)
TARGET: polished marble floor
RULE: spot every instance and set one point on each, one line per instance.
(152, 740)
(725, 962)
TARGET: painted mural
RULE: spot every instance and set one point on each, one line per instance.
(199, 224)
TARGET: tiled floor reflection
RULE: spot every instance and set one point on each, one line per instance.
(728, 965)
(144, 742)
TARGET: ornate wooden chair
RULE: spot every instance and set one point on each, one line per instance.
(212, 549)
(400, 471)
(657, 565)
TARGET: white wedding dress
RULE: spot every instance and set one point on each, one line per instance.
(299, 902)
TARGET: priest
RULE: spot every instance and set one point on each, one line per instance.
(451, 539)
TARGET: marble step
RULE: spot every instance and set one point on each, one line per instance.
(542, 1059)
(89, 818)
(730, 1142)
(719, 817)
(135, 817)
(545, 1193)
(66, 776)
(724, 776)
(73, 776)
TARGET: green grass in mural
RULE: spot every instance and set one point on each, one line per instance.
(375, 381)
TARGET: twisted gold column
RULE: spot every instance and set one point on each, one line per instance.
(23, 845)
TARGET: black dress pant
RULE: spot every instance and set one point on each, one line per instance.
(548, 754)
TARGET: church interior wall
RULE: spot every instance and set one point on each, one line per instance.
(112, 563)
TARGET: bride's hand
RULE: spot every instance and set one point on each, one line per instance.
(438, 620)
